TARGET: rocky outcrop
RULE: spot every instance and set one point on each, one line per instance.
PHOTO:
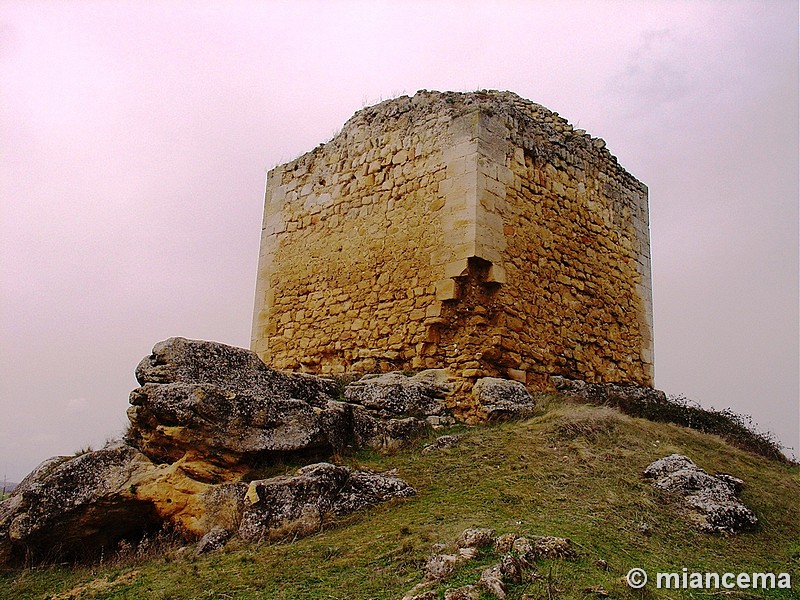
(213, 540)
(290, 506)
(387, 410)
(391, 394)
(516, 565)
(611, 394)
(710, 500)
(502, 399)
(206, 417)
(76, 505)
(221, 411)
(220, 405)
(207, 422)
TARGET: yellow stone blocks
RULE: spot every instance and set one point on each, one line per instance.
(477, 232)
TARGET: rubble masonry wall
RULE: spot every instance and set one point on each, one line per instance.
(478, 232)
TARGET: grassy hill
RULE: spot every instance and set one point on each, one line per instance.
(574, 471)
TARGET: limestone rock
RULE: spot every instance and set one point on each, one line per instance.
(298, 505)
(549, 547)
(214, 540)
(612, 394)
(475, 538)
(522, 545)
(222, 405)
(467, 553)
(364, 489)
(219, 409)
(511, 568)
(504, 542)
(421, 395)
(710, 500)
(503, 398)
(180, 360)
(369, 429)
(421, 591)
(492, 581)
(467, 592)
(71, 506)
(440, 566)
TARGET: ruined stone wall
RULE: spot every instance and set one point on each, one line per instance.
(477, 232)
(345, 275)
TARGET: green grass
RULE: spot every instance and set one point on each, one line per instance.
(574, 471)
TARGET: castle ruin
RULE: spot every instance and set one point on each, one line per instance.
(478, 232)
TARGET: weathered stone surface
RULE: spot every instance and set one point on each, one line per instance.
(421, 591)
(511, 568)
(298, 505)
(440, 566)
(420, 395)
(219, 409)
(467, 553)
(549, 547)
(521, 545)
(475, 538)
(214, 540)
(71, 506)
(180, 360)
(466, 592)
(515, 566)
(222, 405)
(504, 543)
(710, 500)
(369, 429)
(613, 394)
(492, 581)
(503, 398)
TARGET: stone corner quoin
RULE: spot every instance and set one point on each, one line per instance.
(478, 232)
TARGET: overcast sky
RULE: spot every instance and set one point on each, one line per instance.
(134, 140)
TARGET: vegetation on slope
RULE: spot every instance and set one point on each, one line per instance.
(574, 471)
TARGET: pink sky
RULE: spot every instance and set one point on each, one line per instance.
(135, 139)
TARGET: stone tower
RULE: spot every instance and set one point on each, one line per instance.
(474, 231)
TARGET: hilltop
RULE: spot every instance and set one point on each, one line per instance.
(573, 471)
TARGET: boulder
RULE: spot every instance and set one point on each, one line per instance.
(550, 547)
(221, 410)
(512, 568)
(502, 399)
(369, 429)
(476, 537)
(440, 566)
(421, 395)
(710, 500)
(76, 506)
(492, 582)
(180, 360)
(503, 543)
(214, 540)
(222, 405)
(611, 394)
(206, 417)
(298, 505)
